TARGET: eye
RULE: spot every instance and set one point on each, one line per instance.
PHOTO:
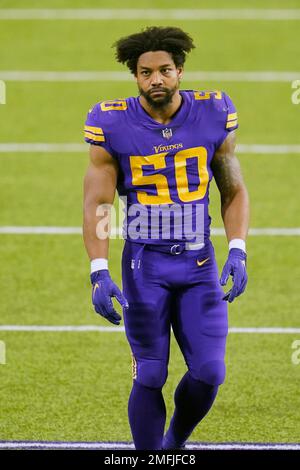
(145, 73)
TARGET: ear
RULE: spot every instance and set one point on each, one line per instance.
(180, 72)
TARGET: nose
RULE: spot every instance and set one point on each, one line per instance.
(156, 79)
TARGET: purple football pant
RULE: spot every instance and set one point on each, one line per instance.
(164, 290)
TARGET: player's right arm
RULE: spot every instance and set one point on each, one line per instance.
(99, 188)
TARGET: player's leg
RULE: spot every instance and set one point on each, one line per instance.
(200, 325)
(147, 325)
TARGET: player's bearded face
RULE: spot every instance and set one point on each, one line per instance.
(157, 78)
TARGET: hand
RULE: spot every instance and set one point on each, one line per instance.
(103, 289)
(235, 266)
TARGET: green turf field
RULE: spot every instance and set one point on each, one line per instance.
(74, 386)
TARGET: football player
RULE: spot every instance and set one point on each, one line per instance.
(161, 150)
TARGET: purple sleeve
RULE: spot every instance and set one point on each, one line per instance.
(229, 117)
(231, 121)
(94, 130)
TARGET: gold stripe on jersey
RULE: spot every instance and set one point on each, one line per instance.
(231, 124)
(96, 138)
(95, 130)
(231, 116)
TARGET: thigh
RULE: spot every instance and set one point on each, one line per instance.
(200, 322)
(147, 320)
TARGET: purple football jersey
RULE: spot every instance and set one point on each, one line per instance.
(164, 170)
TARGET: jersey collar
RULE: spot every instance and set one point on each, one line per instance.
(176, 120)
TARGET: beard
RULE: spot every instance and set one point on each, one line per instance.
(159, 101)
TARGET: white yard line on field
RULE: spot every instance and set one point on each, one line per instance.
(130, 446)
(52, 230)
(11, 147)
(149, 14)
(111, 76)
(41, 147)
(267, 149)
(120, 329)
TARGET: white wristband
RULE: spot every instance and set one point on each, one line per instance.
(237, 243)
(98, 264)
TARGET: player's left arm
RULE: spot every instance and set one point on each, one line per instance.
(234, 195)
(235, 213)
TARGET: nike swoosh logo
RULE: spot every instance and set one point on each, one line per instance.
(96, 286)
(200, 263)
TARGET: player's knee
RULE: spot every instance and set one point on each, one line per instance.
(212, 372)
(152, 374)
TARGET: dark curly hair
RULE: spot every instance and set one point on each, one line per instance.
(154, 38)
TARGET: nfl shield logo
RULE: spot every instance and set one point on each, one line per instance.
(167, 133)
